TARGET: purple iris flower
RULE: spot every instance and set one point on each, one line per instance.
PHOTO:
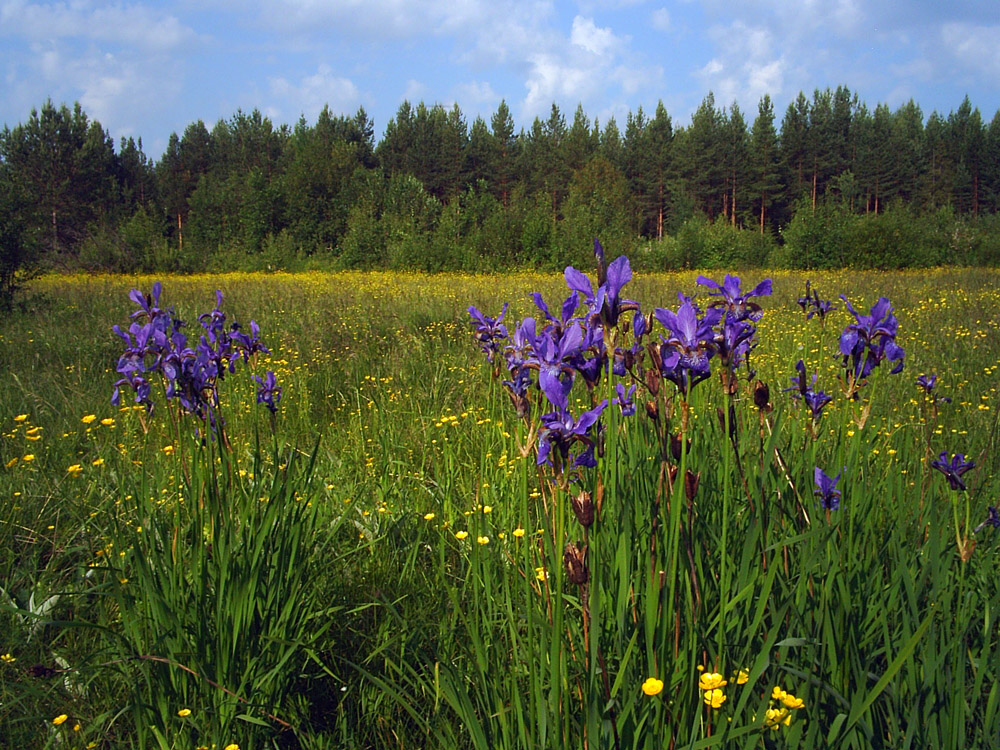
(992, 517)
(954, 470)
(561, 431)
(735, 303)
(805, 302)
(191, 376)
(607, 301)
(927, 384)
(870, 339)
(829, 495)
(814, 399)
(489, 331)
(685, 353)
(821, 308)
(624, 399)
(269, 392)
(552, 351)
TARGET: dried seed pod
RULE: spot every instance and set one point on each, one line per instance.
(675, 446)
(762, 396)
(575, 561)
(653, 410)
(583, 508)
(691, 483)
(653, 381)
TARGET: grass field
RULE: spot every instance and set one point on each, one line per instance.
(381, 563)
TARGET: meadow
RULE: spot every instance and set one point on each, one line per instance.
(380, 560)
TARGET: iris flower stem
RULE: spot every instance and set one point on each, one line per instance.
(724, 573)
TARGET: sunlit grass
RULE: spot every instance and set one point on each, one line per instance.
(436, 546)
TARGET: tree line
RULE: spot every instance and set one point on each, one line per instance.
(438, 193)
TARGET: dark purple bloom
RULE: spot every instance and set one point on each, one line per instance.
(992, 517)
(685, 353)
(624, 399)
(191, 376)
(735, 303)
(269, 392)
(927, 384)
(561, 431)
(606, 302)
(870, 339)
(821, 308)
(814, 399)
(954, 470)
(829, 495)
(489, 331)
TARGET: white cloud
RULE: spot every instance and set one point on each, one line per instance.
(587, 35)
(131, 25)
(745, 67)
(415, 91)
(111, 88)
(478, 92)
(313, 92)
(661, 19)
(975, 47)
(551, 80)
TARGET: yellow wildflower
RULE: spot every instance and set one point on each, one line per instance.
(518, 532)
(711, 681)
(10, 464)
(28, 457)
(775, 717)
(540, 574)
(742, 676)
(184, 712)
(714, 698)
(20, 417)
(97, 462)
(8, 659)
(74, 470)
(461, 534)
(652, 686)
(483, 539)
(487, 509)
(232, 746)
(89, 418)
(790, 701)
(59, 719)
(428, 516)
(108, 422)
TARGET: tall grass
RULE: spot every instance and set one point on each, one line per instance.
(380, 596)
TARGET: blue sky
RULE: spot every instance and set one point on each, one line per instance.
(150, 68)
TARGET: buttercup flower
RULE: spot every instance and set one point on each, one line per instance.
(711, 681)
(60, 719)
(714, 698)
(461, 534)
(652, 686)
(184, 712)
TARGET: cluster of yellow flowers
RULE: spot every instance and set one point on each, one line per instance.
(780, 710)
(711, 684)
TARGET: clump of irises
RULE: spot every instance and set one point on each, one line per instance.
(590, 335)
(813, 306)
(157, 350)
(867, 342)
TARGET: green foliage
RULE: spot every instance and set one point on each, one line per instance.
(395, 631)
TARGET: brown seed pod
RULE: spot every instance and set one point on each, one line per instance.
(583, 508)
(575, 561)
